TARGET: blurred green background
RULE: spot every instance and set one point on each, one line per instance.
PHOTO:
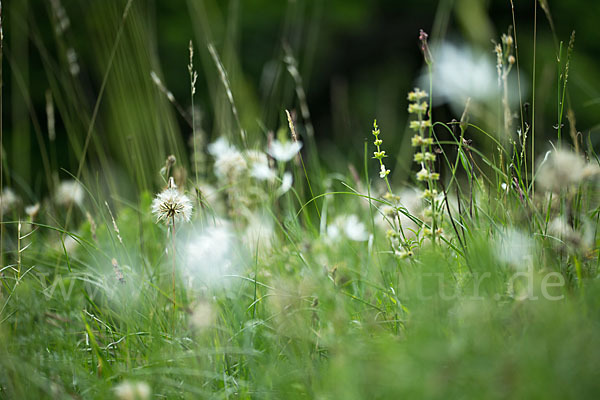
(357, 61)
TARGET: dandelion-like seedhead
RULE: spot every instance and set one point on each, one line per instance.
(170, 204)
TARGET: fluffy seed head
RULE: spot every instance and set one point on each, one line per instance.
(69, 192)
(564, 169)
(8, 200)
(127, 390)
(284, 151)
(230, 164)
(171, 204)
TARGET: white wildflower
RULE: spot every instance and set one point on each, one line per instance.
(170, 204)
(284, 151)
(383, 172)
(69, 193)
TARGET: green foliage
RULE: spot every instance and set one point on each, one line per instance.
(481, 284)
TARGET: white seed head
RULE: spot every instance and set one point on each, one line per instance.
(170, 204)
(262, 172)
(69, 193)
(32, 210)
(203, 316)
(127, 390)
(230, 164)
(8, 200)
(348, 226)
(259, 165)
(211, 256)
(563, 169)
(284, 151)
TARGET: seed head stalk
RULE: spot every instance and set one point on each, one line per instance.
(174, 261)
(193, 78)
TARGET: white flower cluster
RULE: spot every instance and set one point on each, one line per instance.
(232, 165)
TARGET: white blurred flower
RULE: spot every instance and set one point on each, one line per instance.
(220, 146)
(354, 229)
(229, 161)
(333, 232)
(256, 157)
(127, 390)
(171, 204)
(515, 248)
(582, 238)
(464, 73)
(210, 255)
(348, 226)
(563, 169)
(284, 151)
(262, 172)
(32, 210)
(203, 315)
(259, 165)
(8, 200)
(69, 192)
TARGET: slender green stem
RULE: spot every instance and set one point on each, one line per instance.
(533, 99)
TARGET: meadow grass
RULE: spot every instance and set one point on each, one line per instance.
(239, 265)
